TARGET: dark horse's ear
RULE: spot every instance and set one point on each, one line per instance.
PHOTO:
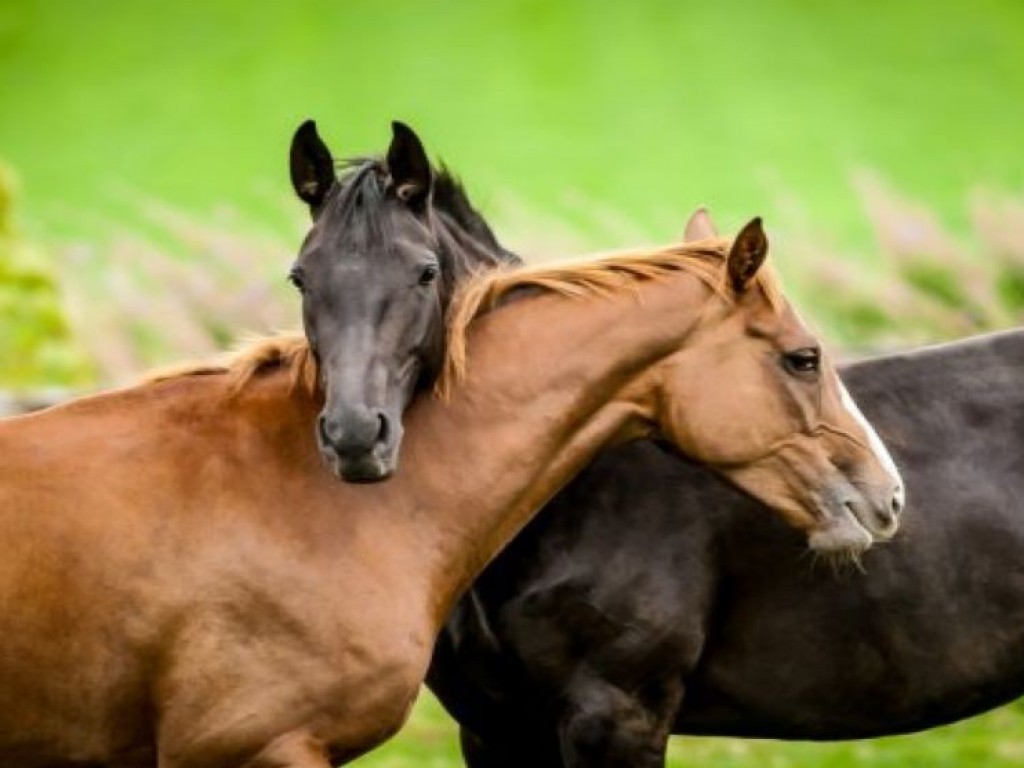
(747, 254)
(408, 165)
(312, 166)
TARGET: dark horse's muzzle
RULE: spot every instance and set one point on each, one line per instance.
(358, 443)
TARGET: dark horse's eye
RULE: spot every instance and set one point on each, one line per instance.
(428, 275)
(806, 360)
(295, 278)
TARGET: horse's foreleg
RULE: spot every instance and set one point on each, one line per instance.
(522, 750)
(606, 727)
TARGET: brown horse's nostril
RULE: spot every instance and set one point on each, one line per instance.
(899, 500)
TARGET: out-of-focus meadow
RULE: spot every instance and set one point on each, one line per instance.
(146, 214)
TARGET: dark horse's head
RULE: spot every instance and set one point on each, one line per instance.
(391, 237)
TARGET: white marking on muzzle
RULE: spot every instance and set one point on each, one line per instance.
(877, 446)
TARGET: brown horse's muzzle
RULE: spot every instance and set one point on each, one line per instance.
(853, 517)
(845, 502)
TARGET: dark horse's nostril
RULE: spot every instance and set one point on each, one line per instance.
(384, 428)
(897, 502)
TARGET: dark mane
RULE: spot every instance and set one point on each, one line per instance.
(360, 191)
(450, 198)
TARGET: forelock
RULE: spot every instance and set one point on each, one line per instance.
(359, 203)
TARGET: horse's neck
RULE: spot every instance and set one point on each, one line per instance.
(550, 381)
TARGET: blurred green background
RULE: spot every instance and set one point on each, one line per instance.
(146, 215)
(647, 107)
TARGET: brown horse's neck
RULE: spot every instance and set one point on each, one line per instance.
(550, 382)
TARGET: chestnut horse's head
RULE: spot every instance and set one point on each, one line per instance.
(755, 396)
(389, 239)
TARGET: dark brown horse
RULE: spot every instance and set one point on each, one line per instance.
(651, 598)
(186, 585)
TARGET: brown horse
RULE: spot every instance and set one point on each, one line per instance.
(186, 585)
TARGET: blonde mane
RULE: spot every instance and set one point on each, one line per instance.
(596, 276)
(281, 350)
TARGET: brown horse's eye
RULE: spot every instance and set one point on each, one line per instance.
(428, 275)
(802, 361)
(296, 278)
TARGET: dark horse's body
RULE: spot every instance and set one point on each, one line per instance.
(650, 596)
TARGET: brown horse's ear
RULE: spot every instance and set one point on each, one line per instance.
(408, 165)
(699, 226)
(747, 254)
(312, 166)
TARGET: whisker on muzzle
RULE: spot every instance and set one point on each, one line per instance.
(839, 562)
